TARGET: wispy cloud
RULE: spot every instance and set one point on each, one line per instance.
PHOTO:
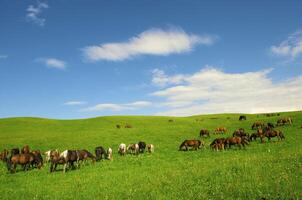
(74, 103)
(290, 48)
(151, 42)
(118, 107)
(213, 91)
(34, 12)
(3, 56)
(53, 63)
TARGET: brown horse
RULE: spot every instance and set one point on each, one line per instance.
(204, 132)
(56, 160)
(273, 133)
(84, 155)
(195, 144)
(283, 121)
(38, 160)
(257, 125)
(4, 154)
(218, 144)
(220, 130)
(25, 160)
(239, 141)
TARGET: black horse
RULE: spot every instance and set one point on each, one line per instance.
(100, 153)
(142, 146)
(242, 117)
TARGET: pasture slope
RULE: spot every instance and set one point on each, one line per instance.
(271, 170)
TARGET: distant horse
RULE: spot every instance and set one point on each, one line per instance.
(109, 154)
(257, 124)
(122, 149)
(128, 126)
(242, 117)
(195, 144)
(133, 149)
(141, 146)
(118, 126)
(285, 120)
(220, 130)
(150, 148)
(204, 132)
(100, 153)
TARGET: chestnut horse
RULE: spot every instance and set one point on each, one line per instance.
(195, 144)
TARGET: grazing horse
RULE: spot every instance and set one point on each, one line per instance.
(25, 149)
(133, 149)
(55, 160)
(283, 121)
(100, 153)
(48, 154)
(220, 130)
(141, 146)
(254, 136)
(24, 159)
(171, 120)
(122, 149)
(150, 148)
(273, 133)
(195, 144)
(128, 126)
(242, 117)
(118, 126)
(109, 154)
(84, 155)
(38, 160)
(239, 141)
(218, 144)
(71, 157)
(204, 132)
(257, 125)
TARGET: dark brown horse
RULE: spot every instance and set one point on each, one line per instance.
(204, 132)
(195, 144)
(84, 155)
(100, 153)
(38, 160)
(56, 160)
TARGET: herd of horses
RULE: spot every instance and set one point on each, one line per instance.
(69, 159)
(239, 137)
(72, 159)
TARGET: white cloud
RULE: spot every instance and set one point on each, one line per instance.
(150, 42)
(53, 63)
(291, 47)
(3, 56)
(161, 79)
(213, 91)
(74, 103)
(118, 107)
(34, 12)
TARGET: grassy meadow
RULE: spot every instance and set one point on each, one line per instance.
(272, 170)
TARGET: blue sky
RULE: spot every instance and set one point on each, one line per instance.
(78, 59)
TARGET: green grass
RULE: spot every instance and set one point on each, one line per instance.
(271, 170)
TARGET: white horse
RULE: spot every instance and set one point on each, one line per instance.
(122, 149)
(150, 148)
(109, 154)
